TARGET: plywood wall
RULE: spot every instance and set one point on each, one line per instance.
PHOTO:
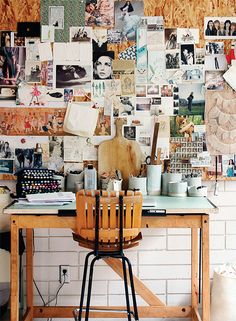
(187, 13)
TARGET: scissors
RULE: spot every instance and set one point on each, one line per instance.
(148, 160)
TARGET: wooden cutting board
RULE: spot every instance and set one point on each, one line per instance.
(121, 154)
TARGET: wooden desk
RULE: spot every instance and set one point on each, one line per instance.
(186, 212)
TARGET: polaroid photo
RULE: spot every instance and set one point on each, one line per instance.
(33, 71)
(171, 39)
(56, 17)
(130, 132)
(193, 73)
(172, 59)
(187, 52)
(216, 62)
(71, 74)
(6, 166)
(214, 80)
(220, 27)
(191, 99)
(80, 34)
(127, 18)
(187, 35)
(214, 48)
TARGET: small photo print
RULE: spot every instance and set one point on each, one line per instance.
(193, 73)
(144, 141)
(71, 75)
(56, 17)
(130, 132)
(214, 80)
(24, 158)
(80, 34)
(172, 59)
(7, 93)
(215, 62)
(220, 27)
(171, 38)
(6, 166)
(18, 41)
(167, 91)
(187, 54)
(143, 104)
(152, 90)
(187, 35)
(68, 94)
(128, 105)
(199, 56)
(140, 90)
(114, 36)
(6, 38)
(215, 48)
(191, 99)
(33, 71)
(6, 150)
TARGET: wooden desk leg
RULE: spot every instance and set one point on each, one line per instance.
(194, 268)
(205, 269)
(14, 269)
(29, 271)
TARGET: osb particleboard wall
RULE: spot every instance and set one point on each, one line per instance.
(177, 13)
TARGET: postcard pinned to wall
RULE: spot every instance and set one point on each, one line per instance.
(220, 27)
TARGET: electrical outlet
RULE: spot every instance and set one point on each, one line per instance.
(64, 273)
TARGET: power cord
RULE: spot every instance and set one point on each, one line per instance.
(56, 295)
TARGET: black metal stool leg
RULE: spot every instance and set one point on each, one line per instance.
(126, 289)
(83, 285)
(89, 288)
(132, 289)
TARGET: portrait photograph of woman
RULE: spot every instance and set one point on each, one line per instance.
(102, 65)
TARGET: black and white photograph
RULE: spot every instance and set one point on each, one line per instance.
(144, 140)
(12, 65)
(56, 17)
(6, 166)
(102, 64)
(220, 27)
(127, 17)
(130, 132)
(172, 59)
(71, 75)
(128, 105)
(193, 73)
(215, 62)
(214, 80)
(33, 71)
(171, 38)
(215, 48)
(187, 35)
(187, 54)
(6, 150)
(191, 99)
(80, 34)
(114, 36)
(24, 158)
(199, 56)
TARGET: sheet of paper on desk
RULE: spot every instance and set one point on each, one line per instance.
(47, 198)
(40, 203)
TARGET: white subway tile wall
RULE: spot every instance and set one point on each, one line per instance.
(162, 261)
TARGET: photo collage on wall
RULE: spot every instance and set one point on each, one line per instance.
(108, 54)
